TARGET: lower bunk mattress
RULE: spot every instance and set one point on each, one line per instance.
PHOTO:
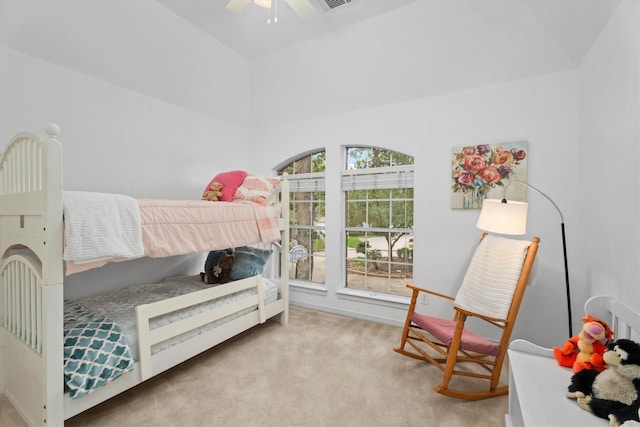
(100, 332)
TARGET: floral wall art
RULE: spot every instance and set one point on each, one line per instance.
(483, 171)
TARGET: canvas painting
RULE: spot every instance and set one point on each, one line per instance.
(483, 171)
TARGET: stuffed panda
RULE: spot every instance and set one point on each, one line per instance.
(614, 391)
(626, 417)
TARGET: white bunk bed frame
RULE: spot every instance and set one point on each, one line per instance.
(31, 292)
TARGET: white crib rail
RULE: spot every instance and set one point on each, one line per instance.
(22, 299)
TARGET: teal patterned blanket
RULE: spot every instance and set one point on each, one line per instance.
(95, 350)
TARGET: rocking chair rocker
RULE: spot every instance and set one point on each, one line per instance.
(492, 290)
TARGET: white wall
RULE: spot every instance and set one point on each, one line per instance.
(116, 140)
(609, 151)
(423, 49)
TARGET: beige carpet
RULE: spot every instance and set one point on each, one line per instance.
(320, 370)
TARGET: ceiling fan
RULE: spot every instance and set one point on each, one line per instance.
(303, 8)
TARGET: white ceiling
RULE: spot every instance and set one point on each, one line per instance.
(249, 34)
(367, 53)
(572, 24)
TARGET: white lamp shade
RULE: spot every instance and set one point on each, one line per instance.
(503, 218)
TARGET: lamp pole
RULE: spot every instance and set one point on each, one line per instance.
(566, 277)
(564, 244)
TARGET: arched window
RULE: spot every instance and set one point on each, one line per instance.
(307, 224)
(378, 193)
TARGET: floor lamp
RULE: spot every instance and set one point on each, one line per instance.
(510, 217)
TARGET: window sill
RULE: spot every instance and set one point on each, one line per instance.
(307, 287)
(395, 301)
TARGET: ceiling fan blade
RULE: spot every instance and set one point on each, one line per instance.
(237, 6)
(303, 8)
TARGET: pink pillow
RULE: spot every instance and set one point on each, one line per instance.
(230, 182)
(257, 189)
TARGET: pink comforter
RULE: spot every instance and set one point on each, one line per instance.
(177, 227)
(174, 227)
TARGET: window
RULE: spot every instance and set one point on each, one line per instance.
(378, 191)
(307, 225)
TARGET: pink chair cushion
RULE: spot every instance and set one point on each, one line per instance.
(443, 330)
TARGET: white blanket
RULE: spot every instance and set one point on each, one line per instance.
(491, 280)
(114, 231)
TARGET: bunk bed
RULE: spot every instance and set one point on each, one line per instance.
(33, 301)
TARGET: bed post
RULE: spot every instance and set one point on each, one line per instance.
(53, 266)
(52, 277)
(284, 248)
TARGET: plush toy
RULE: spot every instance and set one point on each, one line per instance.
(214, 193)
(585, 350)
(219, 272)
(612, 393)
(626, 417)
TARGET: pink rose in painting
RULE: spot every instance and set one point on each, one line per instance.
(474, 163)
(465, 178)
(490, 174)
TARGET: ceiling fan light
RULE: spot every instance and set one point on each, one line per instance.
(263, 3)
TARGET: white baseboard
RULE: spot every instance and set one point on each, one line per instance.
(349, 313)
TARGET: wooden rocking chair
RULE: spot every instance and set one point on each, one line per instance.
(492, 290)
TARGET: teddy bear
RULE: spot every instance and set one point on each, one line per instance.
(613, 393)
(585, 350)
(219, 271)
(214, 193)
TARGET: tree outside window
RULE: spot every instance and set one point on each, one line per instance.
(307, 213)
(378, 187)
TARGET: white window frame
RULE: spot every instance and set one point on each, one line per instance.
(376, 178)
(306, 183)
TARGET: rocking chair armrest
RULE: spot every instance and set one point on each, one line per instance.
(493, 320)
(418, 289)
